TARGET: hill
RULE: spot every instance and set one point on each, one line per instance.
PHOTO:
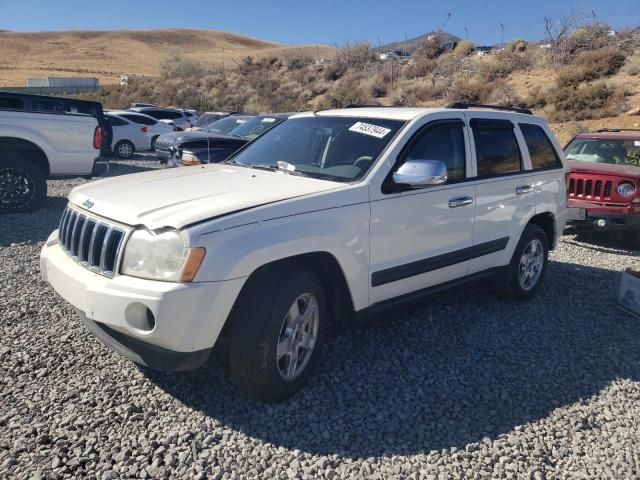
(412, 44)
(107, 54)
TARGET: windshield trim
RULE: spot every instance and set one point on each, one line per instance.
(231, 160)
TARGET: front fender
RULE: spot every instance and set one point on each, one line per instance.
(342, 232)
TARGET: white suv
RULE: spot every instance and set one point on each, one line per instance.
(328, 214)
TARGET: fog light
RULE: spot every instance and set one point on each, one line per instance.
(601, 223)
(140, 317)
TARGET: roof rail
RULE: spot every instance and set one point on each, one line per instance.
(466, 106)
(602, 130)
(358, 105)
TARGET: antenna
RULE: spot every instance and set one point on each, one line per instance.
(445, 20)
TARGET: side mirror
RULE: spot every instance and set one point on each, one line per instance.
(421, 173)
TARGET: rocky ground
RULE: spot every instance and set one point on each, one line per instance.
(465, 385)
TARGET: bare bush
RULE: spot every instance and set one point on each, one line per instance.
(591, 65)
(356, 56)
(429, 49)
(175, 65)
(632, 65)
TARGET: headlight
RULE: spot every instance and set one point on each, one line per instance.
(626, 189)
(160, 256)
(188, 158)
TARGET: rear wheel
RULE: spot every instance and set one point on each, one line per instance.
(524, 274)
(23, 186)
(277, 333)
(124, 149)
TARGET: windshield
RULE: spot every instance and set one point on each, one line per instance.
(208, 118)
(225, 125)
(255, 127)
(334, 148)
(602, 150)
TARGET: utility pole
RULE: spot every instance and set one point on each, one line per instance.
(405, 45)
(501, 35)
(466, 33)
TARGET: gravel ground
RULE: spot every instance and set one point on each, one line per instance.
(461, 386)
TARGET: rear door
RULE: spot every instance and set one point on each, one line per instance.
(505, 189)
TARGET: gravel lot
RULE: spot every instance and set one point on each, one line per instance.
(462, 386)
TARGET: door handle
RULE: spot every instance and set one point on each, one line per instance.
(522, 189)
(460, 202)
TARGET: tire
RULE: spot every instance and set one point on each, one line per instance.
(153, 143)
(263, 319)
(23, 186)
(522, 281)
(124, 149)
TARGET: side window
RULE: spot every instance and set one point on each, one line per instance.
(497, 149)
(154, 113)
(115, 122)
(46, 105)
(444, 143)
(541, 150)
(140, 119)
(170, 115)
(11, 103)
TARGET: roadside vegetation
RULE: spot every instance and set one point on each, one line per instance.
(581, 71)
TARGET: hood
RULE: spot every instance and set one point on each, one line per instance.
(178, 197)
(604, 169)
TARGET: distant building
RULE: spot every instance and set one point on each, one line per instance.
(393, 55)
(481, 51)
(63, 82)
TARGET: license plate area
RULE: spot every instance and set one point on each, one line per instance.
(575, 213)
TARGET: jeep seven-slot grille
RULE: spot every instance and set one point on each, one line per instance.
(595, 189)
(92, 242)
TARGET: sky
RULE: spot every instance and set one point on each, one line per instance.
(319, 21)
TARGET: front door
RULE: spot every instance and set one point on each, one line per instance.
(423, 237)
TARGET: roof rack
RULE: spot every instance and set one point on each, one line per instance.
(602, 130)
(466, 106)
(359, 105)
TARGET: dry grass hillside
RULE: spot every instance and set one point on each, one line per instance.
(109, 54)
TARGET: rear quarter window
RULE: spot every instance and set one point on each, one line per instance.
(543, 154)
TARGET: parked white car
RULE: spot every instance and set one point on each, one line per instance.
(329, 214)
(178, 117)
(155, 128)
(128, 136)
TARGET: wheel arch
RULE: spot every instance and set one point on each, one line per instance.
(325, 266)
(19, 148)
(546, 221)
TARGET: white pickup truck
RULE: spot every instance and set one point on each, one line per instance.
(35, 146)
(328, 214)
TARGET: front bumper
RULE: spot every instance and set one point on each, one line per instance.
(188, 316)
(163, 154)
(607, 218)
(144, 353)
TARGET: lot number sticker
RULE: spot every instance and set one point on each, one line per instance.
(368, 129)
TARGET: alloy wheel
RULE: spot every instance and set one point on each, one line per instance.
(298, 336)
(16, 188)
(531, 264)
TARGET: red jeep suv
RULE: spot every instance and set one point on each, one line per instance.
(604, 186)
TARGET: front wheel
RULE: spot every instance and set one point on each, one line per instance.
(277, 333)
(23, 186)
(524, 274)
